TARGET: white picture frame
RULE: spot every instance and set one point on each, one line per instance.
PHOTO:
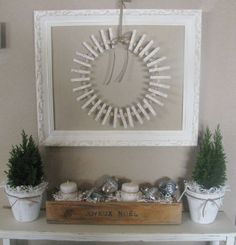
(186, 136)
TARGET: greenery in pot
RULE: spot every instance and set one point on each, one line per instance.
(206, 192)
(25, 166)
(210, 168)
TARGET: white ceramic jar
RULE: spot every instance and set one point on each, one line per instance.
(129, 192)
(69, 190)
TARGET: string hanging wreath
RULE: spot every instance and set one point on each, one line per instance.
(155, 92)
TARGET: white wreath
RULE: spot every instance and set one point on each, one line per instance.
(137, 111)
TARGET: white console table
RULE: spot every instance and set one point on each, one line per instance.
(221, 230)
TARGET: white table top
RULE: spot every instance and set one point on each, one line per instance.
(187, 231)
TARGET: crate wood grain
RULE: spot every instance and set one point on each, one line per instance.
(74, 212)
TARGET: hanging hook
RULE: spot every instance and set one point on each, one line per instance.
(120, 39)
(122, 6)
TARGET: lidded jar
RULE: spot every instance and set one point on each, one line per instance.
(130, 192)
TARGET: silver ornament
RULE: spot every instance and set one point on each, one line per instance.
(97, 197)
(110, 185)
(152, 194)
(149, 192)
(168, 188)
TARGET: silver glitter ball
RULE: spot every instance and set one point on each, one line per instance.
(110, 185)
(145, 187)
(149, 192)
(168, 187)
(97, 197)
(152, 194)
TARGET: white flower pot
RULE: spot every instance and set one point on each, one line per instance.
(204, 207)
(25, 205)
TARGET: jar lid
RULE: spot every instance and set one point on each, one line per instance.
(130, 187)
(68, 187)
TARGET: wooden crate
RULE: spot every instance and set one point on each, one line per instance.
(74, 212)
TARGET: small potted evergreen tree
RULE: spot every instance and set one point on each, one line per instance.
(25, 184)
(205, 193)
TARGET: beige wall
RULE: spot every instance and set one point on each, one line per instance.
(217, 98)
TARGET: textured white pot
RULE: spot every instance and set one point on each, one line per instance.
(204, 207)
(25, 205)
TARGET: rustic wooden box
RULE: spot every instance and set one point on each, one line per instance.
(74, 212)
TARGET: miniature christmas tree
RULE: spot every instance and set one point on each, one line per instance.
(210, 168)
(25, 164)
